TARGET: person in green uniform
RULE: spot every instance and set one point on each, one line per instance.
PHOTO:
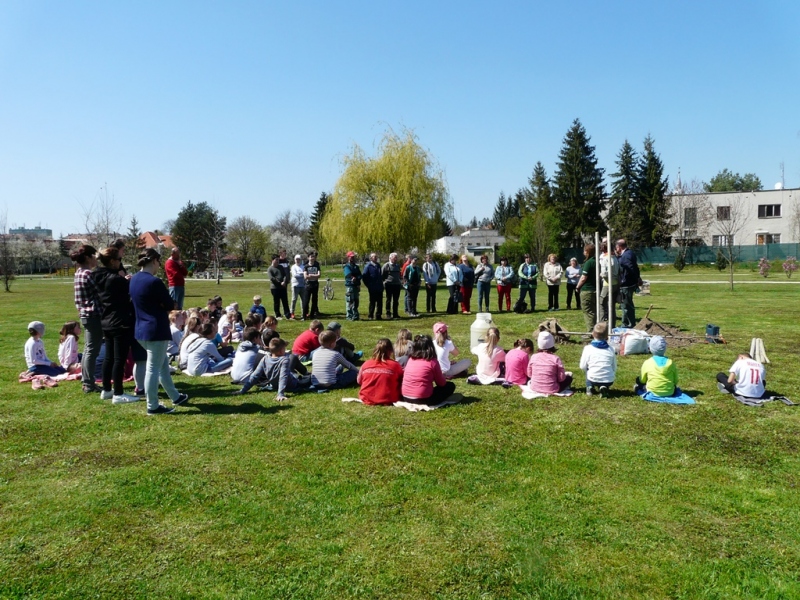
(587, 287)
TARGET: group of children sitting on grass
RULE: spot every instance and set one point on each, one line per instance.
(416, 369)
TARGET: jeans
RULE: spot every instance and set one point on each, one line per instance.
(216, 367)
(483, 295)
(157, 371)
(626, 304)
(297, 294)
(532, 292)
(392, 299)
(413, 292)
(310, 299)
(430, 297)
(93, 339)
(351, 301)
(177, 293)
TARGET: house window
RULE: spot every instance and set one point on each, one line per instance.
(690, 217)
(722, 240)
(768, 238)
(766, 211)
(723, 213)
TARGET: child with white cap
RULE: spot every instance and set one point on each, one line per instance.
(659, 375)
(35, 356)
(545, 369)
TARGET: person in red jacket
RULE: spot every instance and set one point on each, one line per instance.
(381, 376)
(308, 341)
(176, 277)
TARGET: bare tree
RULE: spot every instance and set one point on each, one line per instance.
(728, 225)
(216, 230)
(291, 223)
(8, 263)
(103, 219)
(690, 211)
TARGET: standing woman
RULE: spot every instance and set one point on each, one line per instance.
(453, 277)
(88, 305)
(484, 273)
(573, 275)
(552, 277)
(412, 278)
(467, 283)
(151, 304)
(117, 322)
(503, 273)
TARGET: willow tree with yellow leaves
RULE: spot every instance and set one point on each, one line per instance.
(395, 201)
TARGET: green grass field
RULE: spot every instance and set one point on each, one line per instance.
(498, 497)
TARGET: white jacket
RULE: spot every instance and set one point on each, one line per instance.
(599, 364)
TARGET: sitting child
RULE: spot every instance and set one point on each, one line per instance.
(745, 378)
(491, 360)
(599, 362)
(247, 356)
(327, 365)
(35, 356)
(421, 372)
(275, 372)
(344, 347)
(68, 354)
(177, 321)
(445, 347)
(659, 375)
(190, 333)
(545, 369)
(517, 362)
(308, 341)
(257, 308)
(403, 346)
(381, 377)
(202, 354)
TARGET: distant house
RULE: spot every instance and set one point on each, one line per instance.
(472, 242)
(37, 233)
(150, 239)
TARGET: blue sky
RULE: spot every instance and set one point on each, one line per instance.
(250, 105)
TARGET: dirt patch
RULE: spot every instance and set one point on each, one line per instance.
(676, 337)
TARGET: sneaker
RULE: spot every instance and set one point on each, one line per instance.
(291, 317)
(182, 399)
(358, 354)
(124, 399)
(106, 395)
(603, 391)
(91, 388)
(138, 392)
(589, 391)
(160, 410)
(37, 384)
(279, 318)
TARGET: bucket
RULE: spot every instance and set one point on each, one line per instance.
(477, 331)
(712, 334)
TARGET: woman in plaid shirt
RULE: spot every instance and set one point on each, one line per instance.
(86, 301)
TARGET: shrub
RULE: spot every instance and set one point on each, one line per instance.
(721, 261)
(763, 267)
(790, 266)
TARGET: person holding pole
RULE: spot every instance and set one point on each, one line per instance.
(609, 272)
(587, 287)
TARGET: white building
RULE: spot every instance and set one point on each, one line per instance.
(472, 242)
(753, 218)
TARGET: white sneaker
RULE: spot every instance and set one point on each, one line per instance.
(106, 395)
(124, 399)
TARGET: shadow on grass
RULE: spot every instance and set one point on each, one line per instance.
(248, 408)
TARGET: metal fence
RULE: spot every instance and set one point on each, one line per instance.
(703, 254)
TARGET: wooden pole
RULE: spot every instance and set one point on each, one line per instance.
(597, 280)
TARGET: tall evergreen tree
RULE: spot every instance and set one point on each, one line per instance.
(500, 213)
(578, 190)
(653, 189)
(624, 215)
(133, 241)
(540, 194)
(316, 219)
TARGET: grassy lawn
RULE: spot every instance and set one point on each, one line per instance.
(499, 497)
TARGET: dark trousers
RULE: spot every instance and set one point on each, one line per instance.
(723, 379)
(570, 292)
(430, 298)
(375, 303)
(310, 297)
(118, 342)
(392, 299)
(552, 296)
(532, 292)
(440, 394)
(284, 294)
(484, 287)
(413, 293)
(92, 341)
(276, 302)
(452, 302)
(627, 307)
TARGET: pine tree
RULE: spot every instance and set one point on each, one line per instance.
(499, 215)
(624, 215)
(316, 219)
(654, 203)
(578, 190)
(133, 241)
(540, 193)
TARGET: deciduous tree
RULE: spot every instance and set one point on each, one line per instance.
(198, 232)
(391, 202)
(8, 262)
(727, 181)
(102, 219)
(248, 240)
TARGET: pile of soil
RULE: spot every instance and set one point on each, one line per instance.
(553, 326)
(675, 337)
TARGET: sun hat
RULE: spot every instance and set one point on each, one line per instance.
(658, 345)
(439, 327)
(545, 341)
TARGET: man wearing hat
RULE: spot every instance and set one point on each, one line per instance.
(352, 286)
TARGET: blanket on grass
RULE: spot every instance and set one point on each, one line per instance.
(529, 394)
(677, 398)
(767, 397)
(412, 407)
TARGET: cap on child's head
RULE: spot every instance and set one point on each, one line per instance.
(600, 331)
(334, 326)
(439, 328)
(545, 341)
(37, 326)
(658, 345)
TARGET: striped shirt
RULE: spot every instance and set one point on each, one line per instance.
(323, 366)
